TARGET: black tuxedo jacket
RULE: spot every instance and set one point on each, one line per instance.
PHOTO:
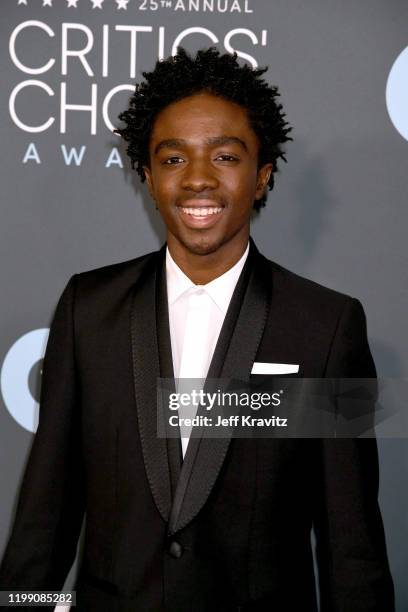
(229, 527)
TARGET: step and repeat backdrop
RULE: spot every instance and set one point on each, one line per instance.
(70, 201)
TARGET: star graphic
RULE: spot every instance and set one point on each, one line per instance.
(122, 4)
(47, 3)
(22, 2)
(97, 3)
(72, 3)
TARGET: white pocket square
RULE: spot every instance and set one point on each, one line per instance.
(260, 367)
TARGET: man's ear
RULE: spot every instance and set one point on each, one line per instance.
(264, 174)
(149, 180)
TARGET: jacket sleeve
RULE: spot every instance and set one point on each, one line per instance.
(50, 507)
(354, 574)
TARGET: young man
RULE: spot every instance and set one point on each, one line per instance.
(198, 525)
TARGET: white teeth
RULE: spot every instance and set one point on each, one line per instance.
(201, 212)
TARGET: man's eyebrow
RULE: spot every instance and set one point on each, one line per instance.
(173, 143)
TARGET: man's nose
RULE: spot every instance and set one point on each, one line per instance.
(199, 175)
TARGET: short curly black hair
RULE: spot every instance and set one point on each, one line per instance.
(182, 75)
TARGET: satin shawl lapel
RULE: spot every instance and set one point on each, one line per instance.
(146, 370)
(175, 456)
(233, 358)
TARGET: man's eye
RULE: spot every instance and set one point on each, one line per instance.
(169, 161)
(228, 157)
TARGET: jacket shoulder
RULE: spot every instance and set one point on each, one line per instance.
(121, 273)
(310, 317)
(308, 307)
(304, 290)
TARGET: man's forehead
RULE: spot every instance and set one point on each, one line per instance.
(202, 120)
(201, 112)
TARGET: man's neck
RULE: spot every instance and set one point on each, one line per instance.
(202, 269)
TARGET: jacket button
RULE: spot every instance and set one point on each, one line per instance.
(175, 549)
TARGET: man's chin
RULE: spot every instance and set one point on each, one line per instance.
(202, 246)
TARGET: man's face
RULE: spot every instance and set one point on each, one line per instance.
(203, 173)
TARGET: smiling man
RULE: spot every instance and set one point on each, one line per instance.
(191, 524)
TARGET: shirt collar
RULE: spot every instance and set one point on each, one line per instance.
(220, 289)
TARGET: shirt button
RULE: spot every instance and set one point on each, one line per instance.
(175, 549)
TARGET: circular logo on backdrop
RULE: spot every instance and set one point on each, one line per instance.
(20, 378)
(396, 93)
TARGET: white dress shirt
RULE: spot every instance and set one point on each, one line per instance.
(196, 315)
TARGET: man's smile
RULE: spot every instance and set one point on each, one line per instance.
(200, 214)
